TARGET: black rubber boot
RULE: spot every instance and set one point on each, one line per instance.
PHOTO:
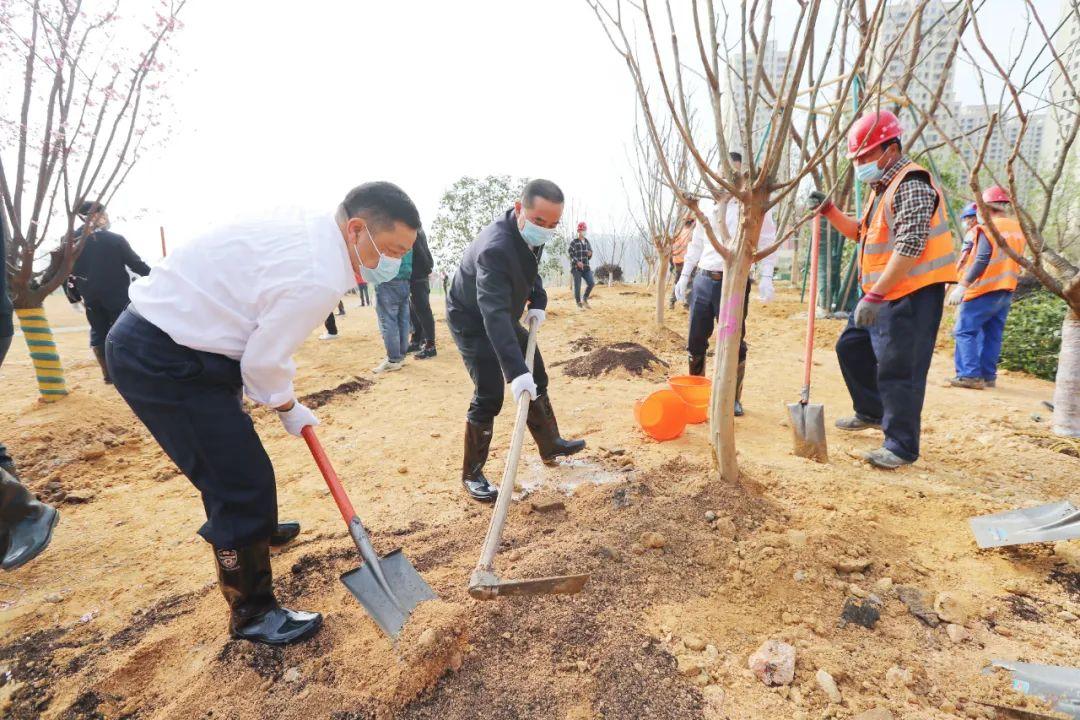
(738, 389)
(26, 525)
(697, 365)
(247, 583)
(477, 443)
(99, 353)
(545, 431)
(285, 532)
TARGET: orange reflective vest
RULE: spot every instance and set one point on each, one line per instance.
(936, 264)
(1002, 272)
(680, 243)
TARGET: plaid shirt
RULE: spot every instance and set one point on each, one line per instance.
(913, 204)
(580, 250)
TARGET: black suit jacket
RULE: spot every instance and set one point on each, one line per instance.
(499, 273)
(100, 272)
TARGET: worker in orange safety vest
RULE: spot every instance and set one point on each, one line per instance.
(906, 257)
(984, 294)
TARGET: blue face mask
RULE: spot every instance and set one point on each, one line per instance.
(535, 235)
(868, 173)
(386, 269)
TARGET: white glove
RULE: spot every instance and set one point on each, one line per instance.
(540, 316)
(766, 291)
(523, 384)
(956, 295)
(680, 288)
(297, 418)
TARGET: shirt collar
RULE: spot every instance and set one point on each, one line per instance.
(890, 173)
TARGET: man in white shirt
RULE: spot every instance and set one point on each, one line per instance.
(705, 306)
(222, 316)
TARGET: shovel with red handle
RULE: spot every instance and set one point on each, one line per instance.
(807, 418)
(388, 587)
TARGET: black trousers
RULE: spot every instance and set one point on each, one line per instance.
(331, 324)
(365, 299)
(705, 308)
(486, 373)
(885, 366)
(191, 402)
(101, 320)
(423, 322)
(5, 344)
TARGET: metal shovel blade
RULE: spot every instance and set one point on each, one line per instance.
(487, 586)
(808, 428)
(389, 606)
(1057, 684)
(1043, 523)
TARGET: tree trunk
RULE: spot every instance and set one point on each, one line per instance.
(728, 335)
(1066, 419)
(43, 352)
(661, 283)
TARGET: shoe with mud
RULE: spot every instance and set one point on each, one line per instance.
(428, 351)
(414, 346)
(968, 383)
(286, 532)
(29, 523)
(545, 431)
(885, 459)
(477, 443)
(247, 583)
(856, 422)
(991, 383)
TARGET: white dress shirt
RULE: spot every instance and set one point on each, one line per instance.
(701, 253)
(252, 291)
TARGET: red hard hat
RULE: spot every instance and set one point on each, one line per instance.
(996, 194)
(581, 226)
(871, 130)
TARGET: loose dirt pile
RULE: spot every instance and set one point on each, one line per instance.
(690, 575)
(628, 356)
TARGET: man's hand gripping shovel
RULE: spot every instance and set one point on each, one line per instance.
(485, 584)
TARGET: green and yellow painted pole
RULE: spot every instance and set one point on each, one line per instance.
(39, 339)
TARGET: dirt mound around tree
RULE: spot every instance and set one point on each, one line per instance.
(631, 357)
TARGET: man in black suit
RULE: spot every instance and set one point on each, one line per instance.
(499, 273)
(100, 276)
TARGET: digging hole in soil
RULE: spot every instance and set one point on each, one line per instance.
(320, 398)
(631, 357)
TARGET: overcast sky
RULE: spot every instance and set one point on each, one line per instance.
(295, 102)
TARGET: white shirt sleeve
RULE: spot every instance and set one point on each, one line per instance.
(286, 319)
(693, 250)
(768, 236)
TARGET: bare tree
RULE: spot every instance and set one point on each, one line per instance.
(733, 49)
(86, 109)
(1020, 76)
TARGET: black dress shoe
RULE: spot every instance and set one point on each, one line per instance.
(286, 532)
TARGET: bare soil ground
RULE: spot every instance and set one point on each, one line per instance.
(121, 617)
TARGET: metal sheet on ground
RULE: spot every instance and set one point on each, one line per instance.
(1043, 523)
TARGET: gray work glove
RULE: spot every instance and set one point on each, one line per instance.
(866, 312)
(819, 201)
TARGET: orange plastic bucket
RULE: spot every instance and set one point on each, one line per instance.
(695, 391)
(662, 415)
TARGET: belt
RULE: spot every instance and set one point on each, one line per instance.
(713, 274)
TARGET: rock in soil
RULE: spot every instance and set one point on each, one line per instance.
(875, 714)
(916, 605)
(773, 663)
(950, 609)
(828, 686)
(865, 613)
(653, 540)
(694, 642)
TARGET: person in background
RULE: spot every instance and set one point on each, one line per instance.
(988, 280)
(678, 252)
(362, 290)
(906, 258)
(498, 275)
(100, 277)
(705, 308)
(420, 316)
(580, 255)
(969, 218)
(222, 316)
(445, 283)
(26, 525)
(392, 310)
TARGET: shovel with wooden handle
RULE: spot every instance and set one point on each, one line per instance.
(485, 584)
(808, 419)
(388, 587)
